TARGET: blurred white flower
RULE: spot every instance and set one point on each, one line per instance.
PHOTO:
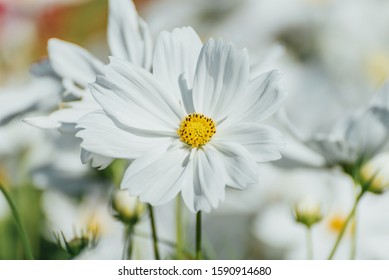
(376, 173)
(347, 142)
(191, 136)
(335, 197)
(38, 94)
(92, 214)
(70, 217)
(128, 38)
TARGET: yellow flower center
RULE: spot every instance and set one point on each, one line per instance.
(196, 130)
(336, 223)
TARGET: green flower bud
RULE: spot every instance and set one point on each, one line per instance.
(127, 208)
(78, 243)
(375, 174)
(308, 212)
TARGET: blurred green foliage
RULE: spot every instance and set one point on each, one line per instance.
(28, 201)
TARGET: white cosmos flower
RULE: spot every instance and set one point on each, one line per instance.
(348, 141)
(191, 126)
(75, 67)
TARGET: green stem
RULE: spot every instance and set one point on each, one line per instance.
(309, 244)
(343, 230)
(198, 236)
(160, 240)
(353, 251)
(19, 225)
(154, 232)
(179, 234)
(128, 246)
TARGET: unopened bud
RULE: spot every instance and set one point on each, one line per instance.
(77, 244)
(375, 174)
(307, 211)
(128, 209)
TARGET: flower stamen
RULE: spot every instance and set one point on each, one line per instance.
(196, 130)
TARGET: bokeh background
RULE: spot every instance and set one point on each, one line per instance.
(334, 56)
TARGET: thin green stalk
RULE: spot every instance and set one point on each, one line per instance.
(154, 232)
(160, 240)
(19, 225)
(179, 233)
(353, 251)
(309, 244)
(198, 236)
(343, 230)
(128, 244)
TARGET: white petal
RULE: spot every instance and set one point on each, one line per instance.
(262, 142)
(44, 122)
(158, 176)
(97, 161)
(175, 60)
(73, 62)
(261, 99)
(241, 169)
(68, 115)
(101, 135)
(39, 94)
(208, 185)
(380, 105)
(73, 89)
(136, 99)
(42, 68)
(359, 131)
(221, 75)
(128, 36)
(335, 150)
(148, 46)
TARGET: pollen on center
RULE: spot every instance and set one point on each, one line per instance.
(196, 130)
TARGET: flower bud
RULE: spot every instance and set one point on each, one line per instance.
(374, 174)
(307, 211)
(77, 244)
(127, 208)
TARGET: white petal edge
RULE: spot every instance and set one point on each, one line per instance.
(261, 99)
(175, 59)
(73, 62)
(44, 122)
(222, 73)
(263, 143)
(128, 35)
(158, 175)
(97, 161)
(208, 185)
(102, 135)
(136, 99)
(241, 170)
